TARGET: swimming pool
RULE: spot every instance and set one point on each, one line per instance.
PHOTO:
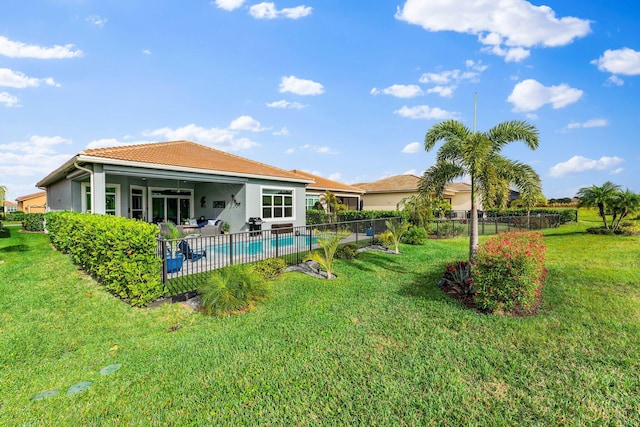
(260, 245)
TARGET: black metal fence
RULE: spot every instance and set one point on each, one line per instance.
(187, 261)
(446, 228)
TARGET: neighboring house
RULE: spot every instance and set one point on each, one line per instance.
(9, 207)
(176, 181)
(386, 193)
(346, 194)
(33, 203)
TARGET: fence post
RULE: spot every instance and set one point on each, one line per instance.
(163, 251)
(230, 249)
(277, 245)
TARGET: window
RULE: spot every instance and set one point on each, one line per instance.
(137, 203)
(111, 202)
(311, 201)
(171, 205)
(277, 203)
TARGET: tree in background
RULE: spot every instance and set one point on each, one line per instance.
(3, 193)
(600, 197)
(422, 208)
(477, 155)
(333, 205)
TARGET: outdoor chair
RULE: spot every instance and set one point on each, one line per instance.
(189, 253)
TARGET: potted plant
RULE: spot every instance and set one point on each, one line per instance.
(226, 227)
(174, 257)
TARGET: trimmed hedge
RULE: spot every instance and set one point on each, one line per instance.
(566, 215)
(321, 217)
(33, 222)
(119, 253)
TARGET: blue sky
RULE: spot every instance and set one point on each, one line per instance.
(342, 89)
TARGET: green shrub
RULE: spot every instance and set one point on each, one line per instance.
(601, 230)
(566, 215)
(415, 236)
(119, 253)
(34, 222)
(509, 270)
(17, 216)
(328, 243)
(270, 267)
(348, 251)
(630, 228)
(385, 239)
(232, 289)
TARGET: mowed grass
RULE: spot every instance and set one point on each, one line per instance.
(380, 345)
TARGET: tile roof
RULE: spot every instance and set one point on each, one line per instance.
(406, 183)
(397, 183)
(31, 196)
(326, 184)
(188, 154)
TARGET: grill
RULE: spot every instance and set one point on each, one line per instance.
(255, 225)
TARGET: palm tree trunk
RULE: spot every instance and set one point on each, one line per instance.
(473, 223)
(603, 215)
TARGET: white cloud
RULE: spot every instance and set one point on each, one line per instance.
(411, 148)
(399, 91)
(312, 148)
(282, 132)
(286, 104)
(268, 10)
(529, 95)
(146, 51)
(8, 100)
(96, 20)
(34, 157)
(411, 172)
(300, 86)
(620, 61)
(222, 139)
(593, 123)
(616, 171)
(447, 81)
(228, 4)
(336, 176)
(615, 81)
(14, 49)
(424, 112)
(18, 80)
(578, 164)
(444, 91)
(507, 28)
(246, 123)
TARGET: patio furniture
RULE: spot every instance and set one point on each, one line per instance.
(212, 227)
(174, 263)
(189, 253)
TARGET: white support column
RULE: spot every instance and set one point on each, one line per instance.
(98, 190)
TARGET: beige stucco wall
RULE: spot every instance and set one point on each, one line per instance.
(34, 205)
(383, 202)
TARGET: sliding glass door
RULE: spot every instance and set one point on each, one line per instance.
(171, 205)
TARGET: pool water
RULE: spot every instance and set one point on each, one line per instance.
(256, 246)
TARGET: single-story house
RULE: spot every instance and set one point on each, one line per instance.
(33, 203)
(386, 193)
(346, 194)
(177, 181)
(9, 207)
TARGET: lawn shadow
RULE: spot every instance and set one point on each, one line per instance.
(5, 233)
(15, 248)
(423, 285)
(381, 260)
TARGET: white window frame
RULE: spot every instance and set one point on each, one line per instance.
(144, 201)
(86, 185)
(293, 204)
(150, 198)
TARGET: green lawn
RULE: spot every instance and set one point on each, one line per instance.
(380, 345)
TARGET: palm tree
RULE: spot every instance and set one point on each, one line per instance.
(624, 203)
(601, 197)
(477, 155)
(333, 205)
